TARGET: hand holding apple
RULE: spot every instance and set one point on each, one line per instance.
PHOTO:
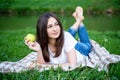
(30, 37)
(30, 41)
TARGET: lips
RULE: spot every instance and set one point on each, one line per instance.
(56, 33)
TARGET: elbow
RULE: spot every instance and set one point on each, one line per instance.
(73, 63)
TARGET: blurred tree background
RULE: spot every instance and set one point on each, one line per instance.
(36, 6)
(19, 17)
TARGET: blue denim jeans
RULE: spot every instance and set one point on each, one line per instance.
(83, 46)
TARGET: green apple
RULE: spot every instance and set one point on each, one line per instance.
(30, 37)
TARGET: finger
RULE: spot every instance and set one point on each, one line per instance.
(30, 43)
(27, 42)
(31, 46)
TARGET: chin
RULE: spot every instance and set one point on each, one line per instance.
(55, 37)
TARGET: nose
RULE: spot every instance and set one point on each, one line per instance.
(54, 28)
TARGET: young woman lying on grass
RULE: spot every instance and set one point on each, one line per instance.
(55, 47)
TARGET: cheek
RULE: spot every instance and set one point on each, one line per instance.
(48, 32)
(58, 28)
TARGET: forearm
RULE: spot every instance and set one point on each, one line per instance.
(40, 58)
(67, 65)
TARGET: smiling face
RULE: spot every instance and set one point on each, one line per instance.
(49, 29)
(53, 28)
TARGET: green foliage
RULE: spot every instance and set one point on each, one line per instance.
(6, 4)
(57, 5)
(116, 4)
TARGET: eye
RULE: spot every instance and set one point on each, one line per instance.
(56, 24)
(49, 26)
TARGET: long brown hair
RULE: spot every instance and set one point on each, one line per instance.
(42, 37)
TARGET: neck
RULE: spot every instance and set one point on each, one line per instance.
(52, 45)
(52, 42)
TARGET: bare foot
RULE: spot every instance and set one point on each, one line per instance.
(78, 15)
(79, 12)
(74, 15)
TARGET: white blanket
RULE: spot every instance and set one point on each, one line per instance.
(98, 57)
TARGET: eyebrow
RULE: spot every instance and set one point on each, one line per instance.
(51, 24)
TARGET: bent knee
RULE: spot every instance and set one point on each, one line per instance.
(89, 47)
(83, 48)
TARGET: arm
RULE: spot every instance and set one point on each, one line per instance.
(40, 59)
(36, 47)
(72, 58)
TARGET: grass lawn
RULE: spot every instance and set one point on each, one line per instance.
(12, 48)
